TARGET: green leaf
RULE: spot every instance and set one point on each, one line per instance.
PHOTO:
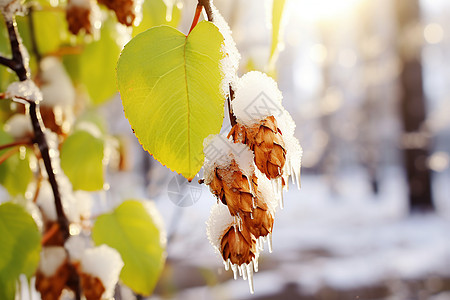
(277, 14)
(20, 247)
(95, 67)
(131, 231)
(154, 13)
(15, 172)
(170, 89)
(81, 161)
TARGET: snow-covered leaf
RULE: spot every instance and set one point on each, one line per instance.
(20, 247)
(170, 89)
(131, 230)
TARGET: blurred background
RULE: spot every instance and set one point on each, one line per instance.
(368, 84)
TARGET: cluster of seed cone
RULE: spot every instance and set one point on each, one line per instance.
(79, 13)
(247, 202)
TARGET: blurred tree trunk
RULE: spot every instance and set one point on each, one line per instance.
(412, 105)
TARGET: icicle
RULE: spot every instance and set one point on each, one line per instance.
(281, 200)
(240, 270)
(255, 264)
(249, 268)
(298, 178)
(244, 271)
(269, 241)
(235, 271)
(250, 185)
(261, 243)
(253, 202)
(226, 263)
(251, 216)
(238, 221)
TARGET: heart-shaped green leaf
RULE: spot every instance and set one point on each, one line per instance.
(170, 90)
(20, 247)
(81, 160)
(131, 230)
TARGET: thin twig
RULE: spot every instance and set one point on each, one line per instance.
(50, 233)
(8, 154)
(207, 5)
(230, 110)
(16, 143)
(20, 69)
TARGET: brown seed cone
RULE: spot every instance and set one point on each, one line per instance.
(51, 287)
(238, 246)
(260, 222)
(92, 286)
(78, 17)
(266, 142)
(124, 10)
(231, 187)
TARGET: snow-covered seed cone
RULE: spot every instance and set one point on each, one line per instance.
(78, 16)
(124, 9)
(260, 221)
(53, 273)
(232, 187)
(93, 288)
(265, 140)
(238, 246)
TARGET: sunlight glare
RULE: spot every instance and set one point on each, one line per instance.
(317, 10)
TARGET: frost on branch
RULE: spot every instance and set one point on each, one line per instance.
(24, 91)
(230, 62)
(10, 7)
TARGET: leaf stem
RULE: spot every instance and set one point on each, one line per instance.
(16, 143)
(198, 11)
(17, 65)
(8, 154)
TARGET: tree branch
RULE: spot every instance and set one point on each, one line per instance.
(18, 66)
(207, 5)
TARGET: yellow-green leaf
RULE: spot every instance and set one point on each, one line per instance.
(277, 14)
(81, 161)
(154, 13)
(131, 230)
(170, 90)
(20, 247)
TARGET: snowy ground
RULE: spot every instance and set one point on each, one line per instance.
(345, 241)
